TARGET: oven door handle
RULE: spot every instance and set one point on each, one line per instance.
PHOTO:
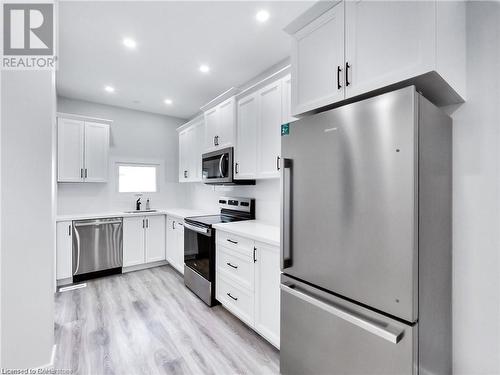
(197, 229)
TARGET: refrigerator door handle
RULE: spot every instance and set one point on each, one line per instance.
(286, 212)
(394, 336)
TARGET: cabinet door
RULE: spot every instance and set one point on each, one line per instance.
(64, 250)
(133, 241)
(317, 53)
(246, 137)
(69, 150)
(96, 152)
(155, 238)
(387, 42)
(211, 124)
(286, 100)
(179, 261)
(171, 241)
(226, 124)
(183, 155)
(269, 131)
(267, 292)
(197, 150)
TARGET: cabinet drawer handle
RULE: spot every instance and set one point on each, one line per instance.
(69, 230)
(236, 169)
(278, 162)
(235, 298)
(347, 66)
(234, 242)
(81, 172)
(339, 70)
(232, 265)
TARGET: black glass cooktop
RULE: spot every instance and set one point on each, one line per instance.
(213, 219)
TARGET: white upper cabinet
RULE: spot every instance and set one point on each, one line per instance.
(220, 123)
(245, 166)
(387, 45)
(286, 100)
(388, 42)
(70, 143)
(190, 150)
(269, 130)
(317, 57)
(96, 152)
(82, 150)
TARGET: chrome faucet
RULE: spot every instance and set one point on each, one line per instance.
(138, 204)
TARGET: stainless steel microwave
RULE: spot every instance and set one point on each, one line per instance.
(217, 168)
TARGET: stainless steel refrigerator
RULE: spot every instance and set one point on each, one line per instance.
(366, 239)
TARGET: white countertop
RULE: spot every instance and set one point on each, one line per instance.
(255, 229)
(177, 212)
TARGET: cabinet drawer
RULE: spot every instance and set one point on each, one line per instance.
(241, 244)
(235, 298)
(236, 266)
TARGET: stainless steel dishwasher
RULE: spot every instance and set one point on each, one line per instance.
(97, 248)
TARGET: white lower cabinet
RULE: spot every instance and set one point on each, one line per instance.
(267, 292)
(143, 240)
(175, 243)
(248, 282)
(64, 248)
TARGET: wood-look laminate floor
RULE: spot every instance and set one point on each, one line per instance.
(148, 322)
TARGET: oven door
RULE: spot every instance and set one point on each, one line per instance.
(217, 166)
(199, 250)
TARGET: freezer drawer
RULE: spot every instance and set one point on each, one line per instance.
(349, 202)
(324, 334)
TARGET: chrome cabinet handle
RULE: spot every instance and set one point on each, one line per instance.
(69, 230)
(232, 241)
(394, 336)
(254, 254)
(232, 265)
(86, 173)
(278, 163)
(339, 70)
(236, 168)
(147, 223)
(173, 224)
(143, 224)
(235, 298)
(286, 212)
(347, 66)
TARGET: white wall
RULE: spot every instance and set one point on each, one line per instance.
(476, 204)
(27, 218)
(265, 192)
(135, 136)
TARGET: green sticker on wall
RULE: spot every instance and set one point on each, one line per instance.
(285, 129)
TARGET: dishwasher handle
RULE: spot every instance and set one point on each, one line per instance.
(96, 223)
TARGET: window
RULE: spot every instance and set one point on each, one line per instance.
(137, 178)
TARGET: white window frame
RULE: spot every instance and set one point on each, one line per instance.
(143, 163)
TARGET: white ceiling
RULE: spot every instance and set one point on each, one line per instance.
(173, 39)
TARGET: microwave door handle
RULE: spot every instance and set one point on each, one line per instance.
(220, 165)
(286, 214)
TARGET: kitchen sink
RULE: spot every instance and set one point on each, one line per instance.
(139, 212)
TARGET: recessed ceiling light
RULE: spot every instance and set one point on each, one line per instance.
(129, 43)
(168, 101)
(262, 16)
(204, 68)
(109, 89)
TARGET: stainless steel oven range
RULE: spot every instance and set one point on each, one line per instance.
(199, 245)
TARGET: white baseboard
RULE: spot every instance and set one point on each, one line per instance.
(52, 359)
(144, 266)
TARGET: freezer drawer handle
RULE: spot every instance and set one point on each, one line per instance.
(393, 337)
